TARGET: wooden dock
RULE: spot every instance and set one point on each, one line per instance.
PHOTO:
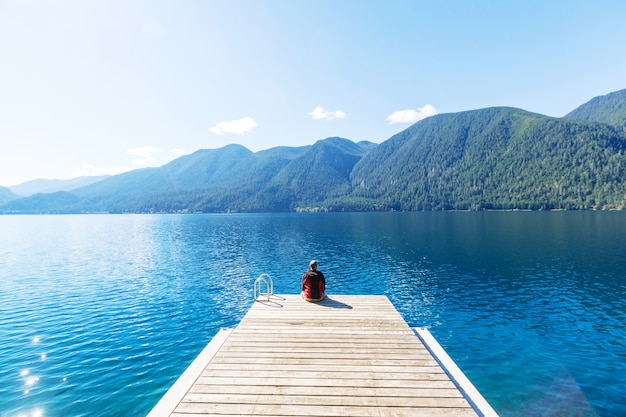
(344, 356)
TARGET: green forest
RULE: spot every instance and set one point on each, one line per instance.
(497, 158)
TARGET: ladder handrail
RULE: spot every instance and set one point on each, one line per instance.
(269, 286)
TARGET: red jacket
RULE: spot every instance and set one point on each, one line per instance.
(313, 285)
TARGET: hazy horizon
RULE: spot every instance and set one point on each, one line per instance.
(104, 87)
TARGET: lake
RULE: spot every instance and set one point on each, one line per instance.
(99, 314)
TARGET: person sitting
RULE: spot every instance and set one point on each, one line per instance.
(313, 283)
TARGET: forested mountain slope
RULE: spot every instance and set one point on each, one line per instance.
(609, 109)
(51, 186)
(321, 173)
(6, 195)
(494, 158)
(231, 178)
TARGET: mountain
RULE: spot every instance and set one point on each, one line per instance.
(176, 186)
(322, 172)
(609, 109)
(60, 202)
(225, 179)
(498, 158)
(231, 178)
(6, 195)
(50, 186)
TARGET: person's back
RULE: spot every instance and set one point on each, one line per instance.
(313, 284)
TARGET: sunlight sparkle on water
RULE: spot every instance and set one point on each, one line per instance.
(29, 381)
(32, 381)
(35, 413)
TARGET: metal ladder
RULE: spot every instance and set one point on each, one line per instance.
(269, 287)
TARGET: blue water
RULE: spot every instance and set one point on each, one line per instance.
(99, 314)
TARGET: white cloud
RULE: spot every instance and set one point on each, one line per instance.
(91, 170)
(145, 155)
(319, 113)
(236, 127)
(411, 116)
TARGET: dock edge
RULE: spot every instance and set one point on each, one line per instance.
(471, 394)
(169, 401)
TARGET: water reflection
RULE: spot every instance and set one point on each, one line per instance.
(530, 305)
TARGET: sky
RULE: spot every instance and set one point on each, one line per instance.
(101, 87)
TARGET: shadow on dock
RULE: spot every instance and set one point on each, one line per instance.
(271, 301)
(332, 303)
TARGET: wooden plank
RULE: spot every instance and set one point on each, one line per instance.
(265, 370)
(284, 346)
(350, 391)
(344, 387)
(320, 399)
(299, 377)
(283, 410)
(315, 361)
(168, 402)
(345, 356)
